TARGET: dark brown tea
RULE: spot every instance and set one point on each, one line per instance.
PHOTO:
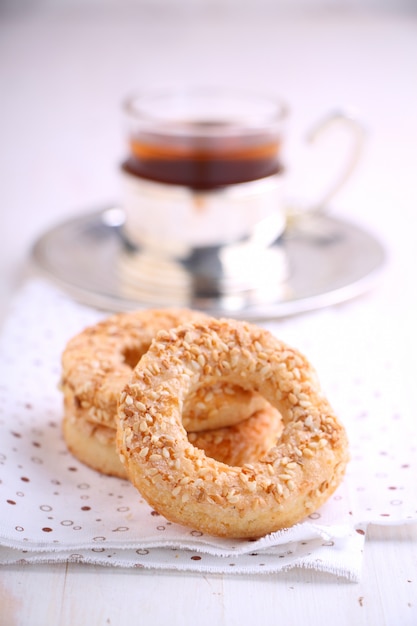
(201, 160)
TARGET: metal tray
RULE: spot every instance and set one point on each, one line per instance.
(327, 261)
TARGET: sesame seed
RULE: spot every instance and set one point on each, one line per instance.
(309, 422)
(292, 398)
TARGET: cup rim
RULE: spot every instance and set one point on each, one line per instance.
(136, 109)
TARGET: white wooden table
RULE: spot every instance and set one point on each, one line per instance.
(63, 75)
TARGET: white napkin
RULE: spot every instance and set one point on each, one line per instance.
(52, 508)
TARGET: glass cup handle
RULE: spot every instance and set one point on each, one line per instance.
(357, 132)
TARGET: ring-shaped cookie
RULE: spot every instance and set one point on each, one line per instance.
(290, 481)
(98, 362)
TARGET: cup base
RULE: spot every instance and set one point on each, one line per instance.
(171, 220)
(188, 245)
(239, 275)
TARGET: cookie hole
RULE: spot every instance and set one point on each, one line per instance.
(243, 443)
(132, 356)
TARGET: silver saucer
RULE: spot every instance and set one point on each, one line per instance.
(320, 261)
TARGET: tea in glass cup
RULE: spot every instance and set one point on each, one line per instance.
(203, 192)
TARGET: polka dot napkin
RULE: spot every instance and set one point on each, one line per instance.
(52, 508)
